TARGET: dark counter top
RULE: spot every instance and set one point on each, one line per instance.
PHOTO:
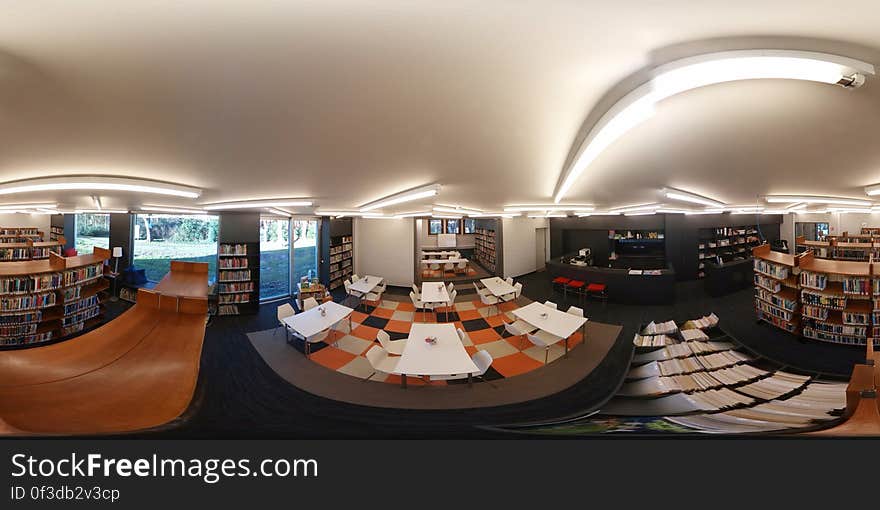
(622, 287)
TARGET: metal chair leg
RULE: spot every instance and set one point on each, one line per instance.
(368, 377)
(546, 354)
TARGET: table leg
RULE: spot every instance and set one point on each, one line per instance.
(566, 347)
(470, 380)
(403, 381)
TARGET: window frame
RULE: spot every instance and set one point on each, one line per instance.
(447, 223)
(432, 221)
(464, 226)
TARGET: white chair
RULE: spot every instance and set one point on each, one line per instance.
(381, 361)
(282, 312)
(355, 278)
(461, 267)
(509, 280)
(551, 304)
(317, 337)
(449, 305)
(417, 303)
(394, 347)
(576, 311)
(435, 267)
(489, 300)
(545, 340)
(415, 289)
(513, 296)
(448, 267)
(373, 298)
(309, 303)
(482, 359)
(519, 328)
(449, 287)
(350, 293)
(465, 339)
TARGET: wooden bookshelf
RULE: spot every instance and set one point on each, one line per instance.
(729, 243)
(485, 251)
(238, 278)
(341, 260)
(776, 295)
(51, 299)
(29, 250)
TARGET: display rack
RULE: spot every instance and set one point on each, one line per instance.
(728, 243)
(49, 300)
(56, 233)
(238, 278)
(837, 300)
(341, 260)
(485, 248)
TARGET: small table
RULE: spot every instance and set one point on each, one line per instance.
(366, 284)
(557, 323)
(435, 292)
(447, 356)
(430, 254)
(498, 287)
(311, 322)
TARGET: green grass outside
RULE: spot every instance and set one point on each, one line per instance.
(155, 258)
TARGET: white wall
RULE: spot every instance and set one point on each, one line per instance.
(518, 237)
(41, 221)
(428, 241)
(385, 248)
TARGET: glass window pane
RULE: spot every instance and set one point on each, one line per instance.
(161, 238)
(453, 226)
(91, 230)
(274, 258)
(435, 227)
(470, 226)
(305, 249)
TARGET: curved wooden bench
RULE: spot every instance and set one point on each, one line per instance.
(136, 372)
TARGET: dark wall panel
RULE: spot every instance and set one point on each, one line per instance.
(120, 235)
(239, 227)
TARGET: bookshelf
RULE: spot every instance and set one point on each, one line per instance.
(29, 250)
(837, 300)
(18, 235)
(238, 278)
(56, 233)
(729, 243)
(776, 288)
(847, 247)
(485, 249)
(341, 260)
(51, 299)
(637, 249)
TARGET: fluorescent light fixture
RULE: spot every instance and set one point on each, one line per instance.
(635, 208)
(494, 215)
(413, 214)
(348, 213)
(813, 211)
(687, 196)
(866, 210)
(643, 213)
(447, 216)
(258, 204)
(872, 190)
(598, 213)
(456, 209)
(404, 196)
(279, 212)
(673, 211)
(700, 71)
(97, 201)
(98, 183)
(816, 199)
(170, 209)
(548, 215)
(707, 211)
(550, 207)
(15, 207)
(101, 211)
(796, 207)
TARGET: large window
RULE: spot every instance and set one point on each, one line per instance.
(305, 249)
(274, 258)
(91, 230)
(161, 238)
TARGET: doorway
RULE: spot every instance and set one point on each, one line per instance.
(540, 249)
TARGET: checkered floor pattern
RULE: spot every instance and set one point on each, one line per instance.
(344, 350)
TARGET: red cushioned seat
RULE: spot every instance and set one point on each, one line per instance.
(561, 280)
(576, 284)
(596, 287)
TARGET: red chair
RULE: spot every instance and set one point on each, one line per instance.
(576, 286)
(70, 252)
(560, 282)
(598, 291)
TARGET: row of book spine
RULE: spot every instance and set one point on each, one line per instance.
(31, 339)
(83, 316)
(775, 270)
(18, 330)
(234, 298)
(236, 287)
(233, 249)
(232, 276)
(233, 263)
(29, 302)
(22, 318)
(82, 304)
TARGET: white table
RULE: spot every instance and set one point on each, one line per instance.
(435, 292)
(497, 286)
(447, 356)
(366, 284)
(557, 323)
(444, 261)
(311, 322)
(440, 253)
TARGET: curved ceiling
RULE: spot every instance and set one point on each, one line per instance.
(349, 101)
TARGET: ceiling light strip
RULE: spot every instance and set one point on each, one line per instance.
(404, 196)
(98, 183)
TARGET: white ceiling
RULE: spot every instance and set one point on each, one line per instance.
(348, 101)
